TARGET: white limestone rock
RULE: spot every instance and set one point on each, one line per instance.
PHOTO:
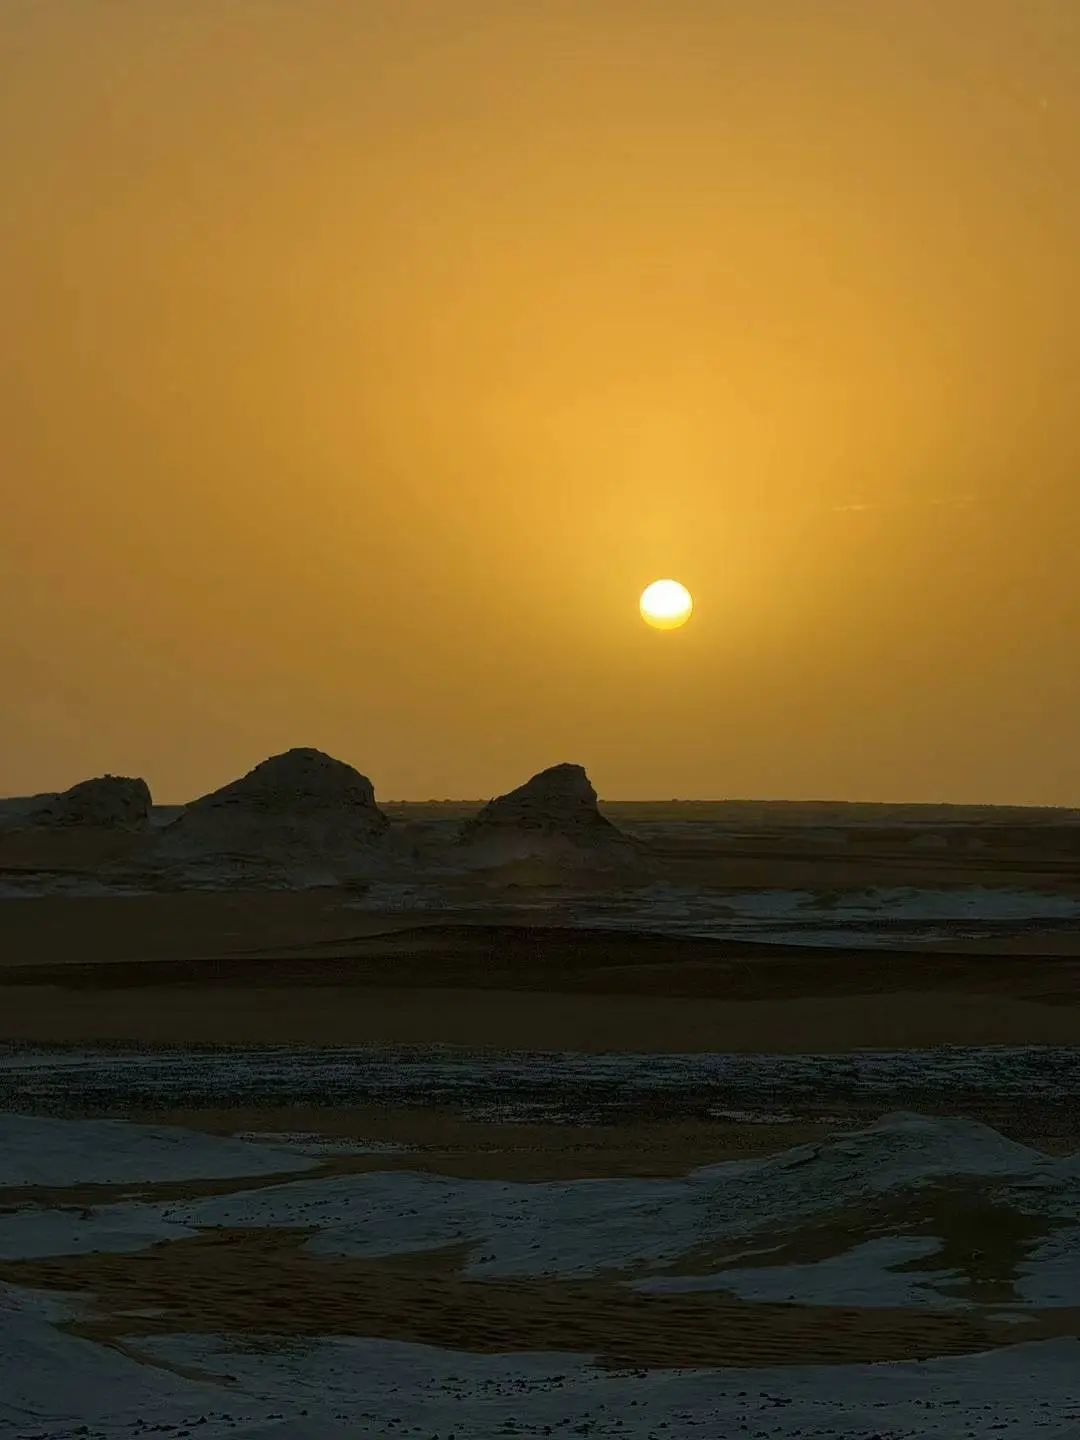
(109, 802)
(553, 816)
(302, 807)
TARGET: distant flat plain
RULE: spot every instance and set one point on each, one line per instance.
(500, 961)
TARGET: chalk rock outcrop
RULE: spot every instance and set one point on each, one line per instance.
(109, 802)
(554, 815)
(299, 806)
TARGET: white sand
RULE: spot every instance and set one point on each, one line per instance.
(37, 1150)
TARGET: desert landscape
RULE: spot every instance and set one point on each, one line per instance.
(534, 1117)
(539, 831)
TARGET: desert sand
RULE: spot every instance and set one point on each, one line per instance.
(488, 1018)
(311, 969)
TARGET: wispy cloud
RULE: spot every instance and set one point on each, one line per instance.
(932, 502)
(954, 502)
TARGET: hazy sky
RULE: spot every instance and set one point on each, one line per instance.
(363, 360)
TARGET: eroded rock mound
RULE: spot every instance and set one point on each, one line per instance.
(302, 805)
(109, 802)
(554, 815)
(560, 800)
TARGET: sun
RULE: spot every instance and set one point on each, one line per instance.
(665, 605)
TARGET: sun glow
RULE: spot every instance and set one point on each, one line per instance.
(665, 605)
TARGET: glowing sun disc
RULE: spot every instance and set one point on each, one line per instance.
(665, 605)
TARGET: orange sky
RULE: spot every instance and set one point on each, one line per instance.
(363, 361)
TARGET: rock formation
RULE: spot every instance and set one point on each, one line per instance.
(302, 806)
(552, 816)
(109, 802)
